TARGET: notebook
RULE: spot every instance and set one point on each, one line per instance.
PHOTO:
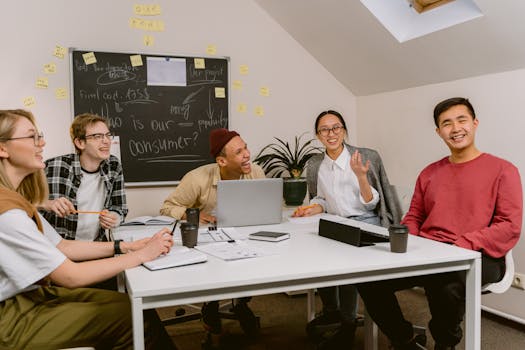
(349, 234)
(249, 202)
(178, 256)
(150, 220)
(270, 236)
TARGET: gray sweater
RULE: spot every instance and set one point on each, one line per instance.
(388, 209)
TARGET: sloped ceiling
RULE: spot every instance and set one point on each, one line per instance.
(350, 43)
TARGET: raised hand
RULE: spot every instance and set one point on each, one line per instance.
(356, 163)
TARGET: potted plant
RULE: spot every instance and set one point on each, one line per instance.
(280, 159)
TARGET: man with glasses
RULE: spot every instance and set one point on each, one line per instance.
(86, 189)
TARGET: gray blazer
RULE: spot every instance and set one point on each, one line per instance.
(388, 209)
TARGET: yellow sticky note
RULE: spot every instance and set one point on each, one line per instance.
(136, 23)
(243, 69)
(59, 51)
(159, 25)
(149, 40)
(29, 101)
(237, 84)
(259, 111)
(154, 26)
(147, 10)
(136, 60)
(211, 49)
(89, 57)
(50, 68)
(220, 92)
(199, 63)
(264, 91)
(138, 9)
(42, 82)
(60, 93)
(242, 108)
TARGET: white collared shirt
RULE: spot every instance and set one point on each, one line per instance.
(338, 189)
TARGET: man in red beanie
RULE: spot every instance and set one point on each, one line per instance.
(198, 189)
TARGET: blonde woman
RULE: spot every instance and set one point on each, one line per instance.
(41, 303)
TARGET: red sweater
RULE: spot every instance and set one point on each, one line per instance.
(476, 205)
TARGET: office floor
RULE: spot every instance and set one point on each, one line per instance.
(283, 320)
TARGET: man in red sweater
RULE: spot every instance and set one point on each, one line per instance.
(470, 199)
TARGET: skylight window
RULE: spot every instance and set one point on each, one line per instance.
(409, 19)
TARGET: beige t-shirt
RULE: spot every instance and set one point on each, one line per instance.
(198, 189)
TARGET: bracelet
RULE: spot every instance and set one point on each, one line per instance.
(116, 246)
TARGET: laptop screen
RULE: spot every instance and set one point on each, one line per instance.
(249, 202)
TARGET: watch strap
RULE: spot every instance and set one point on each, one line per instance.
(116, 246)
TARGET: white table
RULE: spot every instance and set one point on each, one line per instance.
(305, 261)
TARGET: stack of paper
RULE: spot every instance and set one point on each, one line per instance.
(229, 250)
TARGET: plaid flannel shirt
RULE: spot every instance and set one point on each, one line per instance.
(64, 176)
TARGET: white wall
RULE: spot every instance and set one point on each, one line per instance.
(300, 87)
(400, 126)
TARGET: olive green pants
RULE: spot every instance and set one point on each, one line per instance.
(56, 317)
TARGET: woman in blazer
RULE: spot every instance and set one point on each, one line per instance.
(351, 182)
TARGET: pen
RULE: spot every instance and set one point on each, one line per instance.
(230, 240)
(174, 225)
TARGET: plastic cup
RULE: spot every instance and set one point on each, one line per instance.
(189, 233)
(398, 238)
(192, 215)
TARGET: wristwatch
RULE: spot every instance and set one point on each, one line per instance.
(116, 245)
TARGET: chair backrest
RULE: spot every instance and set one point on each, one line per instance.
(506, 281)
(404, 196)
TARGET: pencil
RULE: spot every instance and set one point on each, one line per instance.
(301, 208)
(307, 207)
(86, 212)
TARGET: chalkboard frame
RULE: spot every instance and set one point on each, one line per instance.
(148, 182)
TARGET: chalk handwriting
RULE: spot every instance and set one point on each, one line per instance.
(160, 145)
(163, 126)
(183, 111)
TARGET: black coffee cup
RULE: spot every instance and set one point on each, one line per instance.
(189, 233)
(398, 238)
(192, 216)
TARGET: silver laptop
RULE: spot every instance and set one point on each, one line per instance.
(249, 202)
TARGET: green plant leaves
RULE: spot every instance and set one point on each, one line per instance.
(278, 158)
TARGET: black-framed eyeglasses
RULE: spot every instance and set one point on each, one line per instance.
(336, 129)
(100, 136)
(36, 138)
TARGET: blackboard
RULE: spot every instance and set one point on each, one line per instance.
(162, 111)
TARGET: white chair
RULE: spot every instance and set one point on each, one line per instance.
(506, 281)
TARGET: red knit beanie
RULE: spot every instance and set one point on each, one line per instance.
(219, 138)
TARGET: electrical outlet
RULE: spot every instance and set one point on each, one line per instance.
(519, 281)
